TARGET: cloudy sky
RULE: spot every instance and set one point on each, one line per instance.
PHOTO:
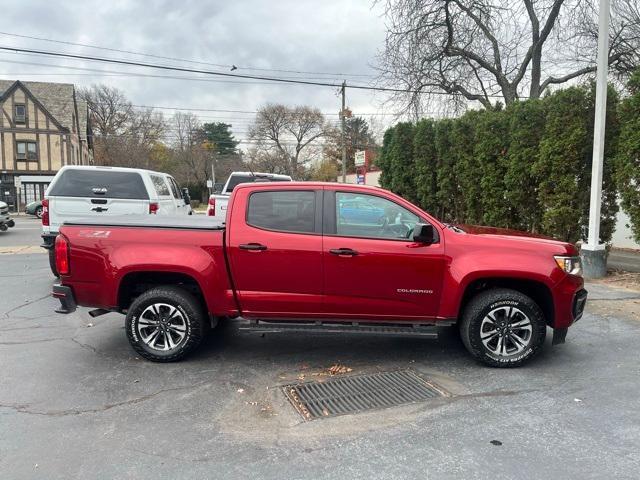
(331, 39)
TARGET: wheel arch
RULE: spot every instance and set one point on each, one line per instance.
(538, 291)
(135, 283)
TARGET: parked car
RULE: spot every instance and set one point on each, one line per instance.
(6, 221)
(285, 261)
(217, 205)
(80, 191)
(34, 208)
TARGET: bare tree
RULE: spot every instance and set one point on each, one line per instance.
(111, 112)
(123, 136)
(284, 138)
(492, 50)
(192, 157)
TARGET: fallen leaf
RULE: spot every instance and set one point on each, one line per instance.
(496, 442)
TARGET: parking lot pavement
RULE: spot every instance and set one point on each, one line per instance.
(24, 236)
(76, 402)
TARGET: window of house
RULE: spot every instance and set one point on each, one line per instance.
(290, 211)
(20, 113)
(26, 150)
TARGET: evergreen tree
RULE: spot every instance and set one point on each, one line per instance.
(449, 199)
(526, 124)
(219, 134)
(563, 151)
(383, 160)
(403, 180)
(467, 168)
(426, 165)
(628, 155)
(609, 207)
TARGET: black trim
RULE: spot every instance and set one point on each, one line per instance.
(67, 301)
(579, 302)
(48, 240)
(181, 222)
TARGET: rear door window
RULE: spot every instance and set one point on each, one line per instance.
(290, 211)
(174, 188)
(160, 185)
(99, 183)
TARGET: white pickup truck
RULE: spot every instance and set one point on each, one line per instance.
(92, 191)
(217, 206)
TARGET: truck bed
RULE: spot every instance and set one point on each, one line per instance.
(109, 254)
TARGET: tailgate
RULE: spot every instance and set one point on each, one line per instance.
(66, 208)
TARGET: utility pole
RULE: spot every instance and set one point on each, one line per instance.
(593, 253)
(343, 128)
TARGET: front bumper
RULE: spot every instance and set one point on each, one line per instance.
(67, 300)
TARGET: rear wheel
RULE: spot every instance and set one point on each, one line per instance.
(52, 261)
(503, 328)
(38, 212)
(165, 324)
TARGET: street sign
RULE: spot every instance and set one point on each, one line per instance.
(360, 158)
(360, 179)
(209, 183)
(17, 181)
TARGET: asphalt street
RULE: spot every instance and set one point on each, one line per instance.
(76, 402)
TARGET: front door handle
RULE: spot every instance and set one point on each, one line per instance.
(343, 252)
(252, 246)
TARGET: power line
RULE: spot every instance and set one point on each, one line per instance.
(210, 72)
(195, 62)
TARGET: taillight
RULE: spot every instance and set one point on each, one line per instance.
(153, 208)
(62, 255)
(45, 212)
(211, 211)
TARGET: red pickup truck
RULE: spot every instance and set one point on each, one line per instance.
(321, 257)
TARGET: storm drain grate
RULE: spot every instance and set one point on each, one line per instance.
(358, 393)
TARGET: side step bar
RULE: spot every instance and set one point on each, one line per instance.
(261, 326)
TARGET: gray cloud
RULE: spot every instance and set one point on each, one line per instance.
(331, 36)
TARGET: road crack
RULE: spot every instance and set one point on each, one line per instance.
(22, 408)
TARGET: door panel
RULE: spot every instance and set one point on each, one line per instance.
(386, 277)
(276, 253)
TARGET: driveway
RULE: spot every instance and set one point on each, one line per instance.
(76, 402)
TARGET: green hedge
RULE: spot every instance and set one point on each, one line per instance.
(526, 167)
(628, 155)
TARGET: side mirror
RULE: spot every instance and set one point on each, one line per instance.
(424, 233)
(186, 196)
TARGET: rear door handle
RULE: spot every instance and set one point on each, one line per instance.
(346, 252)
(252, 246)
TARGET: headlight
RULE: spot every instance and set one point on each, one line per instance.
(571, 265)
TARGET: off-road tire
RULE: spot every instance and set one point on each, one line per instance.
(52, 262)
(480, 306)
(191, 310)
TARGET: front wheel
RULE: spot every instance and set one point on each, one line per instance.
(503, 328)
(38, 212)
(165, 324)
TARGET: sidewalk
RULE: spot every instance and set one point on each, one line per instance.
(624, 259)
